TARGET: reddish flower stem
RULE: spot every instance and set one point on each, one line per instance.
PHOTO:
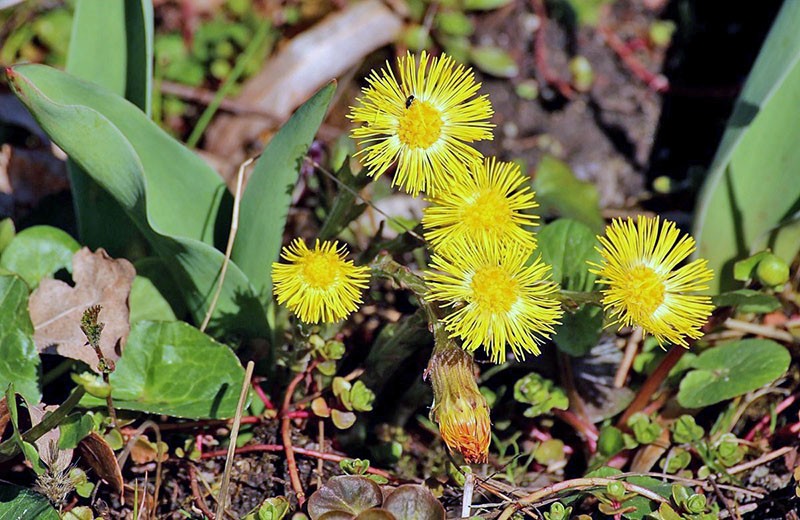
(540, 53)
(331, 457)
(656, 82)
(263, 396)
(783, 405)
(652, 384)
(286, 437)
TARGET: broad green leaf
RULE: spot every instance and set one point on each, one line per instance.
(139, 34)
(19, 502)
(172, 368)
(494, 60)
(146, 302)
(19, 360)
(732, 369)
(266, 201)
(7, 233)
(127, 154)
(73, 429)
(752, 188)
(747, 300)
(39, 252)
(559, 191)
(567, 245)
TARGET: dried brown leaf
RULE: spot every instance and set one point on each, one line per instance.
(56, 307)
(94, 451)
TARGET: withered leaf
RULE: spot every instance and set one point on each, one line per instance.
(94, 451)
(56, 307)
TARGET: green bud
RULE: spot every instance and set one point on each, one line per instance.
(772, 271)
(333, 350)
(354, 466)
(686, 430)
(454, 23)
(316, 342)
(582, 73)
(558, 512)
(615, 490)
(610, 441)
(273, 509)
(680, 494)
(696, 504)
(220, 68)
(361, 397)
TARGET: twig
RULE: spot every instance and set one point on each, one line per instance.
(759, 461)
(226, 476)
(692, 482)
(722, 498)
(327, 456)
(657, 82)
(540, 53)
(231, 237)
(466, 499)
(652, 384)
(286, 437)
(206, 97)
(743, 509)
(631, 347)
(760, 330)
(199, 501)
(123, 456)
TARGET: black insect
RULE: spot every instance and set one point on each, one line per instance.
(409, 101)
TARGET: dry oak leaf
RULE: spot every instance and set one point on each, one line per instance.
(56, 307)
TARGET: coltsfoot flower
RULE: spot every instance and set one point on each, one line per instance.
(318, 285)
(423, 122)
(643, 285)
(498, 301)
(486, 206)
(459, 408)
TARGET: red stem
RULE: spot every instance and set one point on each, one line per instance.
(286, 437)
(783, 405)
(652, 384)
(656, 82)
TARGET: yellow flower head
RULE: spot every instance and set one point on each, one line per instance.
(423, 121)
(318, 284)
(459, 408)
(487, 206)
(505, 302)
(644, 288)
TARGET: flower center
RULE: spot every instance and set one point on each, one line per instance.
(493, 289)
(420, 126)
(489, 212)
(320, 269)
(642, 291)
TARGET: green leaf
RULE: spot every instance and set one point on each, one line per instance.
(747, 300)
(73, 429)
(743, 269)
(172, 368)
(344, 208)
(126, 154)
(641, 506)
(732, 369)
(39, 252)
(7, 233)
(98, 52)
(349, 494)
(139, 34)
(559, 191)
(266, 201)
(146, 302)
(20, 502)
(751, 189)
(494, 60)
(567, 245)
(19, 360)
(485, 5)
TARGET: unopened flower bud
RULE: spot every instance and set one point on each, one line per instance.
(458, 406)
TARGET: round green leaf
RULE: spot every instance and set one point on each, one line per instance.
(494, 60)
(347, 494)
(731, 370)
(172, 368)
(414, 502)
(39, 252)
(20, 502)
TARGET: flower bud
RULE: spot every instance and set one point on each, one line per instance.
(459, 408)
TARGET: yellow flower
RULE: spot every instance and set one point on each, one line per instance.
(644, 288)
(459, 408)
(318, 285)
(487, 206)
(497, 300)
(423, 121)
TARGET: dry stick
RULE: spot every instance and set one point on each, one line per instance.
(286, 438)
(579, 483)
(722, 498)
(760, 330)
(743, 509)
(761, 460)
(652, 384)
(231, 237)
(631, 347)
(123, 456)
(692, 482)
(330, 457)
(226, 476)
